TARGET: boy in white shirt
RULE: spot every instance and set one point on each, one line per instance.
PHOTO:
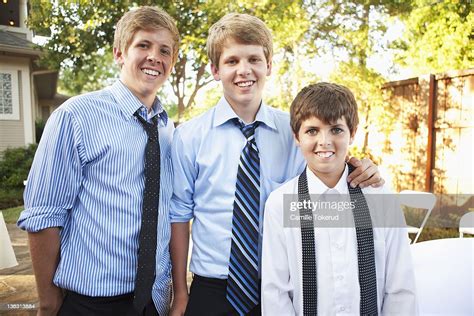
(339, 268)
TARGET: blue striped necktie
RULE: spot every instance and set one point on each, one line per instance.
(242, 283)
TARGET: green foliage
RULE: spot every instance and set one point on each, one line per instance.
(15, 165)
(10, 198)
(438, 37)
(81, 36)
(39, 127)
(14, 168)
(365, 84)
(351, 28)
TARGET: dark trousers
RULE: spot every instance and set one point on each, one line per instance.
(208, 297)
(75, 304)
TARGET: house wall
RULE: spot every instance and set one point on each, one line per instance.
(19, 131)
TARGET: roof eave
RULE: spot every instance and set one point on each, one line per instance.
(20, 50)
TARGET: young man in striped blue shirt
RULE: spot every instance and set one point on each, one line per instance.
(86, 187)
(226, 162)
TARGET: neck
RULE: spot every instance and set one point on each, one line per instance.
(246, 113)
(146, 100)
(329, 179)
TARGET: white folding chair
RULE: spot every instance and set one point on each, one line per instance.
(420, 200)
(466, 224)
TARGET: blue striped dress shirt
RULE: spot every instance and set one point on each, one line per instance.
(88, 178)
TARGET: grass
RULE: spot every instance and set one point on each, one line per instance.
(11, 214)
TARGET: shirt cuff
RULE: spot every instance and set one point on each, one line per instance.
(35, 219)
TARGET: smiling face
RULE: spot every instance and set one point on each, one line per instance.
(324, 147)
(242, 69)
(146, 64)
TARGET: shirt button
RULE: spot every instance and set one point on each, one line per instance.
(340, 277)
(338, 246)
(343, 308)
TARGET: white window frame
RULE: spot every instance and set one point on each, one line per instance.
(15, 115)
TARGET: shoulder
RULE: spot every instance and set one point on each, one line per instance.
(281, 118)
(196, 126)
(86, 104)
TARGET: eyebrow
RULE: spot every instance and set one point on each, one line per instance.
(330, 125)
(150, 42)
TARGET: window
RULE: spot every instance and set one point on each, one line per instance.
(9, 107)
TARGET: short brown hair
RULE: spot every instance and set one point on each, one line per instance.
(144, 18)
(244, 29)
(326, 101)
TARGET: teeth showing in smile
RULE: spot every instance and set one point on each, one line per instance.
(325, 154)
(150, 72)
(244, 83)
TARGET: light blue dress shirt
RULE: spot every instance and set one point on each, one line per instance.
(88, 178)
(205, 154)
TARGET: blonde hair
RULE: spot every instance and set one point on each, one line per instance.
(144, 18)
(244, 29)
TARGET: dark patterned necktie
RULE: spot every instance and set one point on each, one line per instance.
(147, 244)
(310, 284)
(242, 283)
(365, 251)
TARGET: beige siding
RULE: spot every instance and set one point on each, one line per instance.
(12, 132)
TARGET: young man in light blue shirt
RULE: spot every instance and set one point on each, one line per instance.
(84, 202)
(226, 162)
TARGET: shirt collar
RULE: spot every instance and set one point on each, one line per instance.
(224, 113)
(316, 186)
(129, 104)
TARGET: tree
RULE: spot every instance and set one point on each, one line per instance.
(439, 36)
(352, 30)
(81, 35)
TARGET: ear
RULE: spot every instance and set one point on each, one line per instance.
(351, 140)
(297, 141)
(269, 68)
(118, 56)
(215, 72)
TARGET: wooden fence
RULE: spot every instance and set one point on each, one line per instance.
(430, 145)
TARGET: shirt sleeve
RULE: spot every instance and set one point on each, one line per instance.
(276, 286)
(55, 175)
(400, 291)
(184, 171)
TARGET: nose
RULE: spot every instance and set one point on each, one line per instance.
(153, 56)
(244, 68)
(325, 138)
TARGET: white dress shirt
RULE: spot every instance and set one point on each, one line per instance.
(336, 255)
